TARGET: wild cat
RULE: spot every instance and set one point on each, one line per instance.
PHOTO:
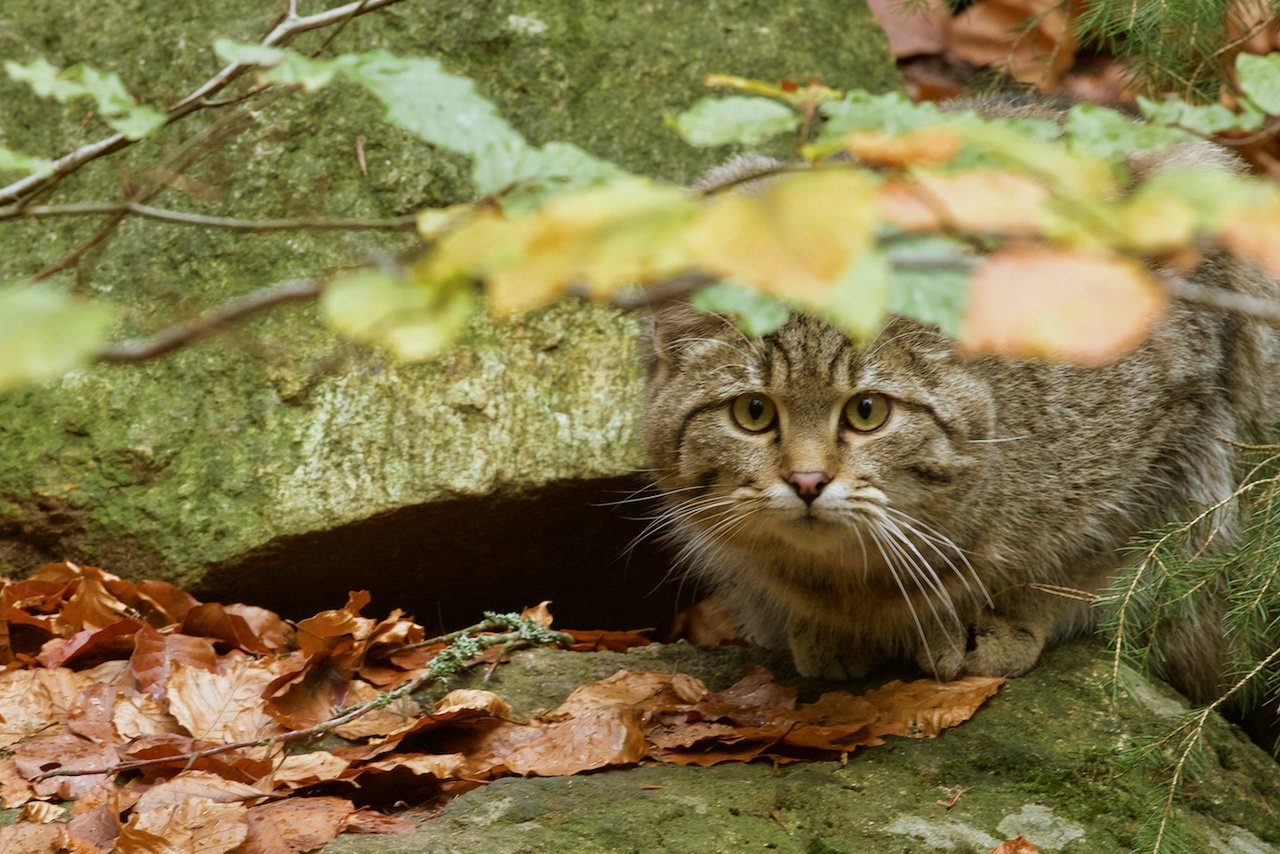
(861, 502)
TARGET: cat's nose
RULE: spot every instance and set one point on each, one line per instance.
(808, 484)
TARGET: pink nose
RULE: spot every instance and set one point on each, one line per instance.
(808, 484)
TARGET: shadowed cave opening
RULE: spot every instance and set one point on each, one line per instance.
(447, 562)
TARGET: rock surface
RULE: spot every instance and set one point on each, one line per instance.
(279, 465)
(1051, 756)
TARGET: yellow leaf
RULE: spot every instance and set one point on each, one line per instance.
(1157, 223)
(794, 238)
(1033, 300)
(604, 238)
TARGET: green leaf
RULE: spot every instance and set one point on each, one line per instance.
(14, 161)
(414, 320)
(748, 121)
(1202, 120)
(929, 281)
(45, 333)
(283, 66)
(859, 302)
(530, 176)
(116, 106)
(1099, 132)
(1260, 80)
(755, 313)
(44, 78)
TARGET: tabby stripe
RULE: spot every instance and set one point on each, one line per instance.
(689, 416)
(780, 349)
(840, 355)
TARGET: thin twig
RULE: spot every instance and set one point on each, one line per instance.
(1262, 309)
(312, 223)
(197, 100)
(141, 349)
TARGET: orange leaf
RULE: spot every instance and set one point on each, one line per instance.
(927, 146)
(64, 751)
(1048, 302)
(369, 821)
(989, 33)
(625, 690)
(232, 625)
(539, 613)
(979, 200)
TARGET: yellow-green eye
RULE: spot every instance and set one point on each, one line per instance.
(754, 413)
(867, 412)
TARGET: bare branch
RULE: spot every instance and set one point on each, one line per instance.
(280, 35)
(311, 223)
(1262, 309)
(141, 349)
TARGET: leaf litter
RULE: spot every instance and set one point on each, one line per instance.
(172, 724)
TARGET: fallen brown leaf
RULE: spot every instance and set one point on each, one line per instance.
(295, 824)
(1016, 846)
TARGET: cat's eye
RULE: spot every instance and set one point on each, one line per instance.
(754, 413)
(867, 412)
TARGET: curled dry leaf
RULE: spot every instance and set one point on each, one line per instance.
(204, 785)
(40, 812)
(993, 33)
(470, 703)
(1066, 306)
(14, 788)
(1021, 845)
(540, 613)
(153, 654)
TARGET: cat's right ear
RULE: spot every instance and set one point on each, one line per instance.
(673, 325)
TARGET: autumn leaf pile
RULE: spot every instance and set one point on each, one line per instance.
(175, 718)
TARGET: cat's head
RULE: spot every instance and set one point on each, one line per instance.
(806, 440)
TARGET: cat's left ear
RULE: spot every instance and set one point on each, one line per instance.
(673, 325)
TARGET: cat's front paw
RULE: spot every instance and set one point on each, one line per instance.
(996, 647)
(820, 653)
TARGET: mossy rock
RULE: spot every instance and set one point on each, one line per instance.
(280, 465)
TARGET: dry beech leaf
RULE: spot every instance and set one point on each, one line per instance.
(471, 702)
(1021, 845)
(196, 784)
(135, 715)
(14, 788)
(625, 689)
(540, 613)
(315, 633)
(64, 751)
(1067, 306)
(920, 29)
(30, 837)
(226, 706)
(31, 699)
(195, 824)
(97, 826)
(369, 821)
(989, 33)
(111, 641)
(254, 630)
(295, 824)
(306, 769)
(590, 740)
(91, 714)
(442, 766)
(398, 716)
(40, 812)
(923, 708)
(596, 640)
